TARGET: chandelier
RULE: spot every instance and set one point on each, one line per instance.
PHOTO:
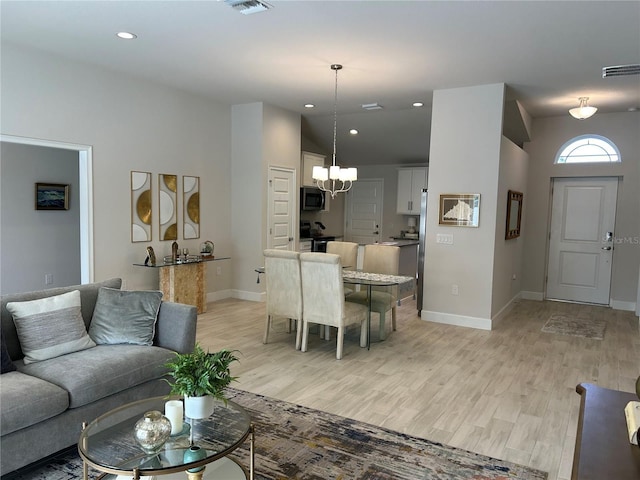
(584, 110)
(334, 179)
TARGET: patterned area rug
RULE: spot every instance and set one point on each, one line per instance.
(294, 442)
(577, 327)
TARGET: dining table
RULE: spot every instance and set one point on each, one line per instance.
(368, 280)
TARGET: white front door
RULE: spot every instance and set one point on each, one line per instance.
(583, 212)
(363, 217)
(281, 209)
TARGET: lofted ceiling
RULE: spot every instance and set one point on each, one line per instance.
(393, 52)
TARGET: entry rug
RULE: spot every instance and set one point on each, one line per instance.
(575, 326)
(295, 442)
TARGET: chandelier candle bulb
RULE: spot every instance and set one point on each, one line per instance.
(173, 410)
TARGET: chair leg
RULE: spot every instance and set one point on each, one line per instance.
(305, 335)
(289, 325)
(267, 327)
(363, 334)
(327, 332)
(382, 331)
(298, 334)
(339, 342)
(393, 317)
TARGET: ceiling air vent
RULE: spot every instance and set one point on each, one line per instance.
(620, 71)
(372, 106)
(247, 7)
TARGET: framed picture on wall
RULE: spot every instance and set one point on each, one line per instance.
(52, 196)
(460, 209)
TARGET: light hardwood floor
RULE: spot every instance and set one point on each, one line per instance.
(508, 393)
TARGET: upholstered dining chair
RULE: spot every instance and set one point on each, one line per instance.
(380, 259)
(284, 290)
(348, 252)
(323, 299)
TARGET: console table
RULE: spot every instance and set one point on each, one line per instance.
(185, 282)
(603, 449)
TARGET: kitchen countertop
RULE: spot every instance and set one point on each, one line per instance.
(406, 242)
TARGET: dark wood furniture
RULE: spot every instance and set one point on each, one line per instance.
(603, 450)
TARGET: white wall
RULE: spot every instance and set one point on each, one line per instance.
(466, 136)
(508, 253)
(262, 136)
(549, 134)
(38, 242)
(132, 125)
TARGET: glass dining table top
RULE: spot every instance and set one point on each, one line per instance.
(108, 442)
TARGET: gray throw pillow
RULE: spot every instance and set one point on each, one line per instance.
(50, 326)
(125, 316)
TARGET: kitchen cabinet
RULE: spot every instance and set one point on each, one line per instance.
(310, 160)
(411, 181)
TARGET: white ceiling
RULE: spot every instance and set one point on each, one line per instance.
(393, 53)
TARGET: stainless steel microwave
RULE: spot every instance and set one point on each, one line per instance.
(311, 199)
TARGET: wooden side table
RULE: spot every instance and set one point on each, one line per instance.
(603, 450)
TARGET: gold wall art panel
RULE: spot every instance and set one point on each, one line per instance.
(141, 206)
(191, 205)
(167, 200)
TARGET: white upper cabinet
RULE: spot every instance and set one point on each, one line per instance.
(310, 160)
(411, 181)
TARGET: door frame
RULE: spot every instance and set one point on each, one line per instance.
(548, 248)
(293, 202)
(347, 202)
(85, 163)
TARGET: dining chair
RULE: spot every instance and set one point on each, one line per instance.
(323, 299)
(348, 252)
(284, 290)
(380, 259)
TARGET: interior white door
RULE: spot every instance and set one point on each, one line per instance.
(363, 217)
(281, 209)
(581, 243)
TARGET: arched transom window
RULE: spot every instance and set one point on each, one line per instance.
(588, 149)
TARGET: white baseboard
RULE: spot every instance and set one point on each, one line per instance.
(458, 320)
(504, 311)
(251, 296)
(627, 306)
(539, 296)
(219, 295)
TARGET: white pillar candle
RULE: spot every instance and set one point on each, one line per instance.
(173, 411)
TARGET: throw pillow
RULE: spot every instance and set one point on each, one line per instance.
(50, 327)
(7, 364)
(125, 316)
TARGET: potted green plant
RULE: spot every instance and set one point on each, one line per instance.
(201, 377)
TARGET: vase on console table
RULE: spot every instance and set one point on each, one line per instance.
(193, 454)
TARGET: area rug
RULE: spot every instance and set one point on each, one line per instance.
(295, 442)
(575, 326)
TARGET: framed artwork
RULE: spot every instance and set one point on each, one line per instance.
(191, 205)
(52, 196)
(459, 209)
(140, 206)
(167, 200)
(514, 215)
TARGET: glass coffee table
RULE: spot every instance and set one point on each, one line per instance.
(108, 445)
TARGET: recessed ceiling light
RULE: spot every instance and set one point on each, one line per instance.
(418, 104)
(309, 105)
(353, 131)
(126, 35)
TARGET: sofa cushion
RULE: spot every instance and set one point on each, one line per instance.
(50, 327)
(28, 400)
(125, 316)
(92, 374)
(7, 364)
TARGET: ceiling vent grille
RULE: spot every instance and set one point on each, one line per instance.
(620, 71)
(372, 106)
(248, 7)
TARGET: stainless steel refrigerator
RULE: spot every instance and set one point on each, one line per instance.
(422, 232)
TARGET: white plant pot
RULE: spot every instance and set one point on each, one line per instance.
(198, 407)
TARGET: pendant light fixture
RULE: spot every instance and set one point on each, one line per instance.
(334, 179)
(584, 110)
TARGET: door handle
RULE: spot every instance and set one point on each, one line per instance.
(376, 233)
(607, 248)
(291, 239)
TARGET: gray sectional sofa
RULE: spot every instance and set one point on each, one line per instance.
(43, 403)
